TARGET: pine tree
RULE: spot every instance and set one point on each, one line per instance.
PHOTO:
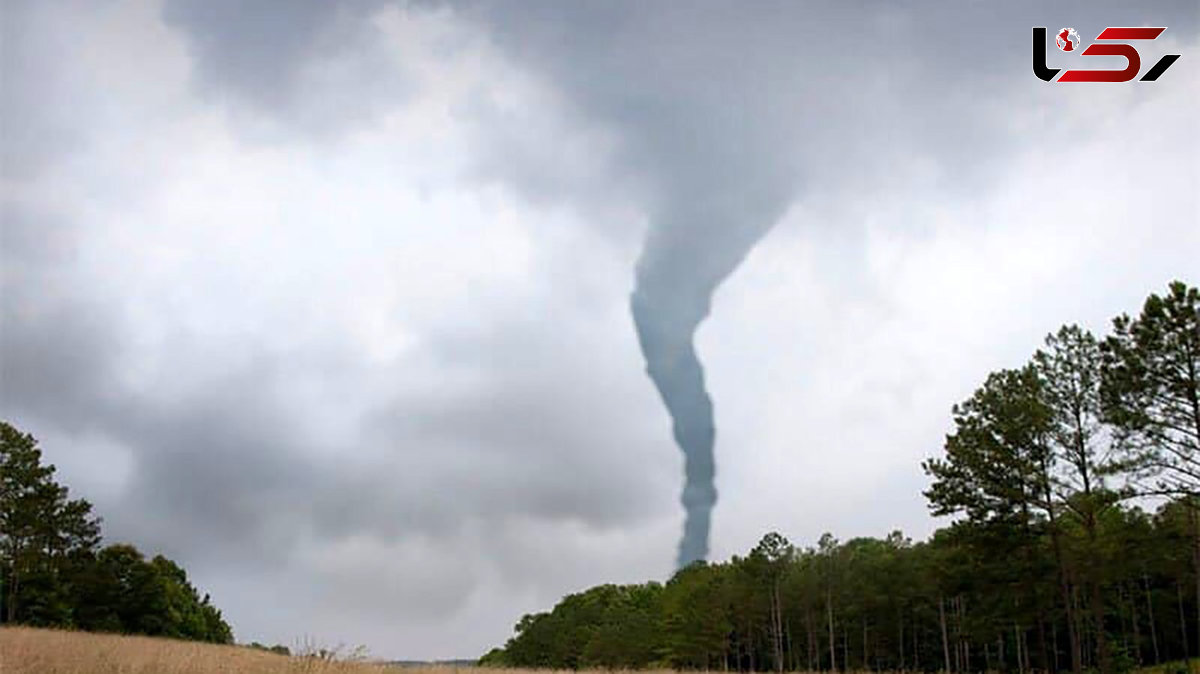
(43, 534)
(1151, 389)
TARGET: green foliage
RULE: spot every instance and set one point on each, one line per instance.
(55, 575)
(1150, 378)
(277, 649)
(44, 535)
(607, 626)
(993, 468)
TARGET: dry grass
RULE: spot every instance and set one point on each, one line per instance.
(25, 650)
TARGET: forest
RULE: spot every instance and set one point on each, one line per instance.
(54, 572)
(1072, 488)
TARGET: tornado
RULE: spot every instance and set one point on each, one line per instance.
(689, 251)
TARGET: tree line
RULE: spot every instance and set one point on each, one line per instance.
(1073, 482)
(54, 572)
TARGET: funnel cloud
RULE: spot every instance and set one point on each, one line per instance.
(687, 254)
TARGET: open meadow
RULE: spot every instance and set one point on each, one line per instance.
(26, 650)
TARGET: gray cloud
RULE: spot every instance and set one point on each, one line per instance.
(57, 341)
(39, 123)
(303, 69)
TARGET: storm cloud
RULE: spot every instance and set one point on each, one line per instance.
(329, 301)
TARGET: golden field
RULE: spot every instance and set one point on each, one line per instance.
(26, 650)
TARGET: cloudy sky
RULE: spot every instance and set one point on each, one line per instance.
(329, 301)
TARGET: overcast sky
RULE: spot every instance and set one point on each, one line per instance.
(328, 301)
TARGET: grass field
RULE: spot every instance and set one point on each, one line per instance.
(36, 651)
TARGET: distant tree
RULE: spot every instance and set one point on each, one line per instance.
(497, 657)
(695, 614)
(42, 534)
(993, 466)
(827, 549)
(1083, 457)
(279, 649)
(999, 471)
(125, 592)
(769, 561)
(1151, 389)
(630, 633)
(1069, 367)
(52, 574)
